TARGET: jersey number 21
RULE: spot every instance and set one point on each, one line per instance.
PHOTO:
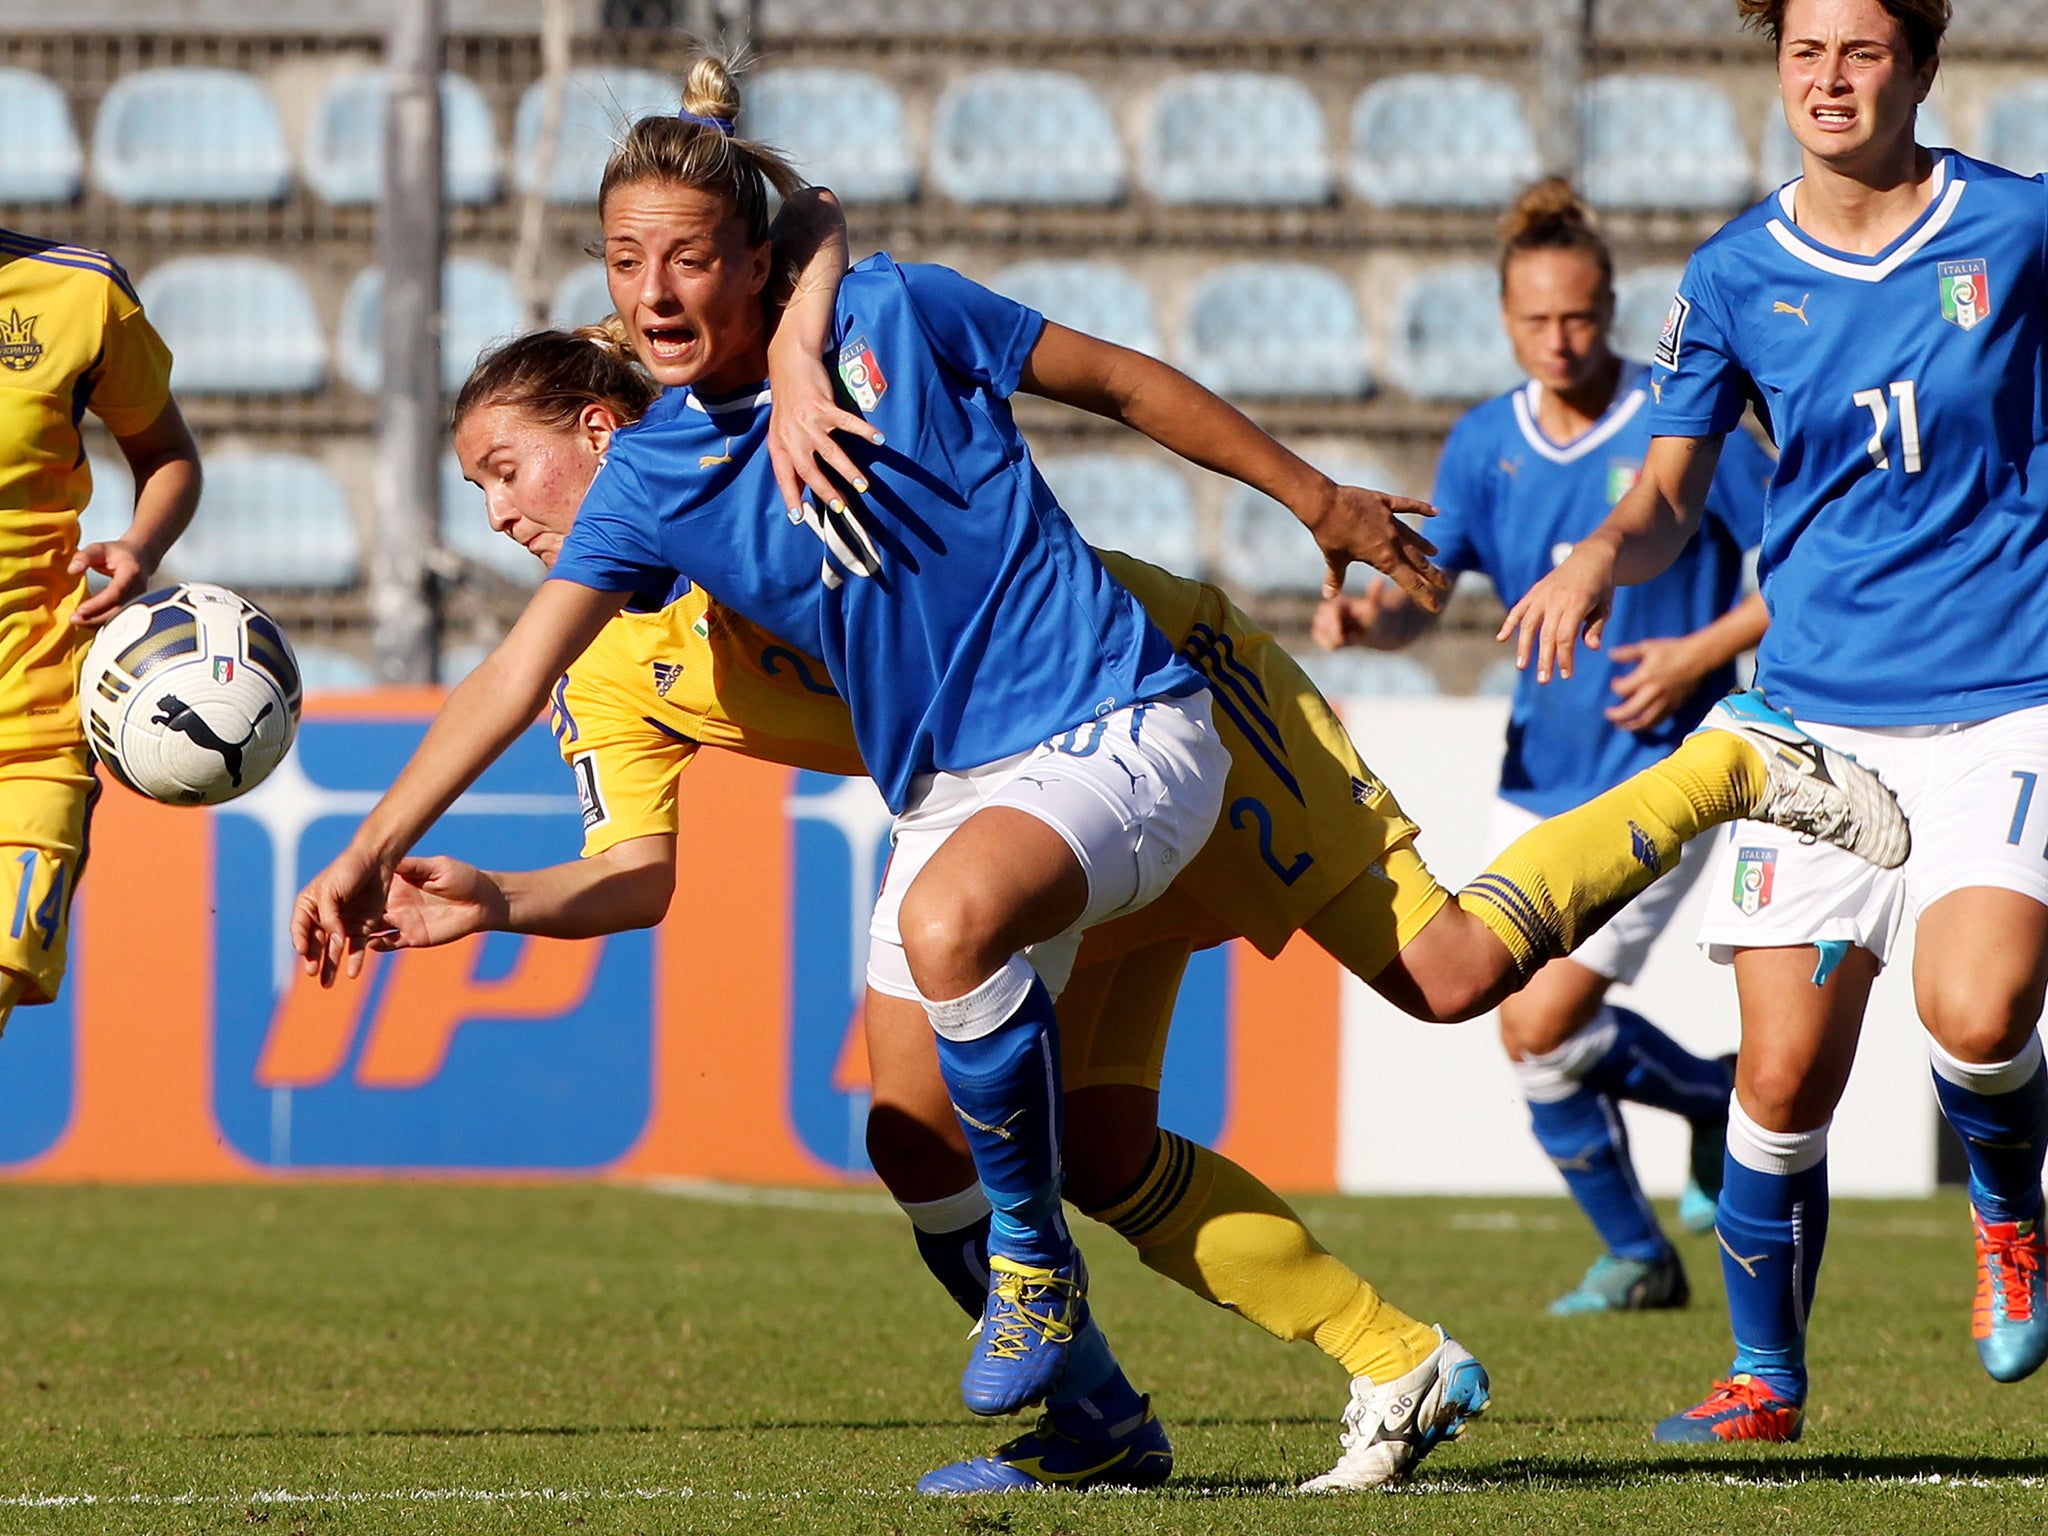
(1875, 401)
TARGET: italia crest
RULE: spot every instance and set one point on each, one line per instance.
(1756, 872)
(223, 670)
(862, 374)
(19, 349)
(1622, 475)
(1965, 292)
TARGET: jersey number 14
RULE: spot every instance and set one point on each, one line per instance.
(1875, 401)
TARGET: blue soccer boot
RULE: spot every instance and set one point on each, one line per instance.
(1068, 1448)
(2010, 1319)
(1740, 1408)
(1616, 1284)
(1021, 1351)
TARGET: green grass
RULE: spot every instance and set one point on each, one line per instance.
(427, 1358)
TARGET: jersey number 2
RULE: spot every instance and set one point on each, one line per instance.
(1256, 810)
(1874, 401)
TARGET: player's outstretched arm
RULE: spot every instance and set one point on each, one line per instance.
(1349, 522)
(439, 900)
(1639, 539)
(1669, 670)
(335, 915)
(165, 462)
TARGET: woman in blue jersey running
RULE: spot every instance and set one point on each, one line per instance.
(1888, 312)
(1521, 479)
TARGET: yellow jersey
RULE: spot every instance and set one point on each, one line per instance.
(1302, 815)
(72, 339)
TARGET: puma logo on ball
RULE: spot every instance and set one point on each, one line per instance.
(175, 714)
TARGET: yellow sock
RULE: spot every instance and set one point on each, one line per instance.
(1557, 883)
(1205, 1223)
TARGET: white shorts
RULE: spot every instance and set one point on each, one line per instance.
(1134, 794)
(1970, 792)
(1622, 945)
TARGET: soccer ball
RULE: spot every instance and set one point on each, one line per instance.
(190, 695)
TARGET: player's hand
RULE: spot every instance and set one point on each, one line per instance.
(1665, 675)
(1358, 524)
(1578, 595)
(802, 419)
(335, 915)
(1346, 620)
(437, 901)
(127, 574)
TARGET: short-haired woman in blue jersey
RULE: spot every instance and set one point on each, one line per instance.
(1888, 311)
(1522, 478)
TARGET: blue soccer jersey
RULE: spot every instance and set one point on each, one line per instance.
(1511, 505)
(1906, 548)
(989, 626)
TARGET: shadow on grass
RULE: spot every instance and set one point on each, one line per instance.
(741, 1427)
(1737, 1464)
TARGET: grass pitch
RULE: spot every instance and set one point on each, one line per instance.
(346, 1359)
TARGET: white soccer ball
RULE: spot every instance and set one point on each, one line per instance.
(190, 695)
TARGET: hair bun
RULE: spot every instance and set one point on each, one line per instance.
(1550, 212)
(710, 89)
(610, 336)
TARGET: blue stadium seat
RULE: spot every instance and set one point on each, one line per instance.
(598, 105)
(467, 530)
(843, 128)
(1274, 328)
(1780, 158)
(1138, 505)
(2015, 132)
(1500, 679)
(112, 507)
(1661, 141)
(1026, 136)
(190, 136)
(42, 163)
(480, 309)
(580, 298)
(1642, 299)
(1360, 674)
(236, 325)
(326, 669)
(1447, 341)
(1441, 141)
(1231, 136)
(1098, 297)
(270, 520)
(1266, 549)
(345, 141)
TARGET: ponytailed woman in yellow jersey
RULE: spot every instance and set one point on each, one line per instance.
(73, 339)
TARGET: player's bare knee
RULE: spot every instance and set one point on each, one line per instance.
(1983, 1024)
(949, 942)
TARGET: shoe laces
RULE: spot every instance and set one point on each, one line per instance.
(2013, 1259)
(1012, 1327)
(1365, 1415)
(1744, 1392)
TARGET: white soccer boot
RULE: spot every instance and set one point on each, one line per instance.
(1388, 1429)
(1815, 790)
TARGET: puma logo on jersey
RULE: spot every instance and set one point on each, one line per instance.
(1780, 307)
(706, 460)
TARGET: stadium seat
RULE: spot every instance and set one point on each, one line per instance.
(1500, 679)
(580, 298)
(1661, 141)
(1361, 674)
(327, 669)
(1279, 329)
(597, 106)
(479, 306)
(190, 136)
(1098, 297)
(1780, 158)
(1641, 301)
(1231, 136)
(2015, 132)
(466, 530)
(270, 520)
(843, 128)
(43, 163)
(1026, 136)
(1441, 141)
(112, 507)
(344, 160)
(1265, 547)
(236, 325)
(1138, 505)
(1447, 342)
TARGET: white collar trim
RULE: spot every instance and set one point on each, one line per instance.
(1947, 193)
(728, 405)
(1528, 401)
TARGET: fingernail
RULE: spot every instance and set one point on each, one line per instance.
(880, 439)
(838, 506)
(861, 486)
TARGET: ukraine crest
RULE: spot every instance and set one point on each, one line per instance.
(1755, 872)
(1965, 292)
(19, 349)
(862, 374)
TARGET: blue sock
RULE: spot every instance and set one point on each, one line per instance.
(2001, 1114)
(952, 1239)
(1095, 1385)
(1005, 1087)
(1772, 1227)
(1584, 1137)
(1643, 1065)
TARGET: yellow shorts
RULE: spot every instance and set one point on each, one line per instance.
(46, 798)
